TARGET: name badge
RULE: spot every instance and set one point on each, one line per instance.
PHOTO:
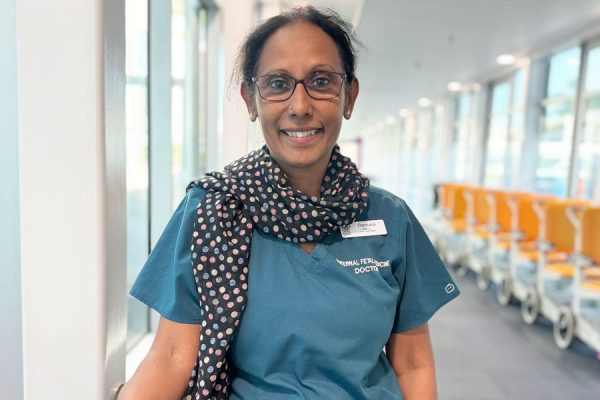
(364, 228)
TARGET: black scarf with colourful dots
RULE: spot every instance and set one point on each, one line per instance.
(254, 193)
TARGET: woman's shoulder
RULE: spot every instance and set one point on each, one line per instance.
(392, 209)
(186, 210)
(385, 201)
(196, 190)
(195, 194)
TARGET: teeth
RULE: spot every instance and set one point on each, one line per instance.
(300, 134)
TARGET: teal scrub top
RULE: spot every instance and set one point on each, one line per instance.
(315, 325)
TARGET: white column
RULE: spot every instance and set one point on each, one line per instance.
(72, 196)
(237, 20)
(11, 344)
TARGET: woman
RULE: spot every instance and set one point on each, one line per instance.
(325, 270)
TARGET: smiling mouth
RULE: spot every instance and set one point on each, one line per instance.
(301, 134)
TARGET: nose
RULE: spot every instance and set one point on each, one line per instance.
(300, 104)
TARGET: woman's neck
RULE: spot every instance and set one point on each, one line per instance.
(306, 182)
(307, 179)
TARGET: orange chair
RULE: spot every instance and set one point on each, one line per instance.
(482, 230)
(561, 234)
(571, 320)
(482, 215)
(590, 247)
(554, 271)
(451, 232)
(523, 258)
(458, 208)
(529, 226)
(505, 220)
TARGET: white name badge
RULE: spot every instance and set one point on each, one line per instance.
(364, 228)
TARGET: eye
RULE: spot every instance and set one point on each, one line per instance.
(321, 81)
(278, 83)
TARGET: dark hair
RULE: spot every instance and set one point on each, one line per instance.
(329, 21)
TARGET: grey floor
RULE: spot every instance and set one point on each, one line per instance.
(484, 351)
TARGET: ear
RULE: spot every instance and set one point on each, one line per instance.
(351, 95)
(249, 100)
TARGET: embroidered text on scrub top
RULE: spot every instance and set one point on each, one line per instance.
(363, 265)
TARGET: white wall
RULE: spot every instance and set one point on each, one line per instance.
(65, 140)
(11, 365)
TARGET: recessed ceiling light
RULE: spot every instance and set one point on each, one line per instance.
(476, 87)
(506, 59)
(454, 86)
(424, 102)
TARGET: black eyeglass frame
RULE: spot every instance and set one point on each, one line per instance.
(297, 81)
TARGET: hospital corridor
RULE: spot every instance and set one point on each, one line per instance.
(311, 200)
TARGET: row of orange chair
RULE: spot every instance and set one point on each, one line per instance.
(559, 231)
(537, 249)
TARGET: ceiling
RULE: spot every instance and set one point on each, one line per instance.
(413, 48)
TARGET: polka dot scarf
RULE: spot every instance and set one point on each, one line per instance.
(254, 193)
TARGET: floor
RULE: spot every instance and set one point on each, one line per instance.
(484, 351)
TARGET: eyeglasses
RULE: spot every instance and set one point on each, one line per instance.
(320, 85)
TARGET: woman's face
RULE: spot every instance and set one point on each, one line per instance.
(296, 50)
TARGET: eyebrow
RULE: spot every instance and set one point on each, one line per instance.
(318, 67)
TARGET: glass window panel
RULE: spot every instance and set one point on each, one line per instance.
(496, 151)
(177, 122)
(592, 76)
(505, 140)
(518, 90)
(178, 99)
(423, 163)
(202, 89)
(464, 106)
(564, 73)
(464, 147)
(555, 148)
(178, 39)
(587, 184)
(512, 162)
(136, 38)
(557, 123)
(408, 154)
(136, 121)
(189, 25)
(501, 98)
(515, 148)
(588, 176)
(460, 135)
(497, 142)
(438, 143)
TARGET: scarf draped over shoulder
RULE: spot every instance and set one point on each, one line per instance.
(254, 193)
